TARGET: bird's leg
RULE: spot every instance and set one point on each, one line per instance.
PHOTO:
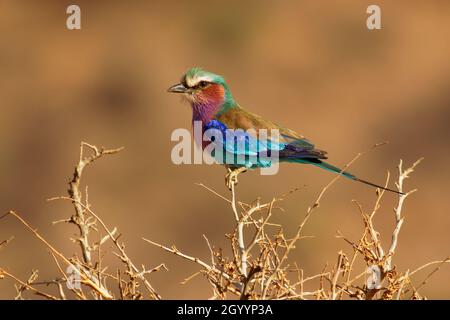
(231, 176)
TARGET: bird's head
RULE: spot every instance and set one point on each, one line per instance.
(203, 88)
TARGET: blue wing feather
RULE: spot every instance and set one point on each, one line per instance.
(241, 144)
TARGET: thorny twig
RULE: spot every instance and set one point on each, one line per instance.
(80, 219)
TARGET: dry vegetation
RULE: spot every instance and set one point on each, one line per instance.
(257, 264)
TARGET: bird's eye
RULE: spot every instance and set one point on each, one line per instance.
(203, 84)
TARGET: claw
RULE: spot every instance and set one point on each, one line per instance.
(231, 177)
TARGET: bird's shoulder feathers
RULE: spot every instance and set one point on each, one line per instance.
(239, 118)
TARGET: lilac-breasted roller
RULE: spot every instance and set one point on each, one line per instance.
(214, 106)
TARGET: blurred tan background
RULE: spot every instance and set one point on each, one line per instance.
(310, 65)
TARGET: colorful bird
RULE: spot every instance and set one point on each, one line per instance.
(215, 108)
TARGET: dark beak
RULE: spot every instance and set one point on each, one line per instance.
(178, 88)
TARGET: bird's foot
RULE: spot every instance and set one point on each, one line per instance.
(231, 178)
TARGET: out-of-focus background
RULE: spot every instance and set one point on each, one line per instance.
(312, 66)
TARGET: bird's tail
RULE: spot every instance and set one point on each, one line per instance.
(329, 167)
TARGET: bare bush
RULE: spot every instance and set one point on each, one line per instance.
(88, 277)
(258, 263)
(259, 268)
